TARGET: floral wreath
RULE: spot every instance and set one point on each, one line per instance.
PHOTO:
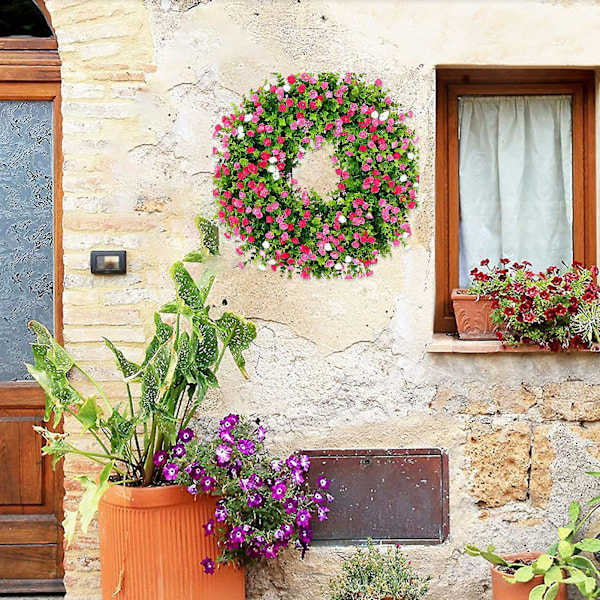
(292, 229)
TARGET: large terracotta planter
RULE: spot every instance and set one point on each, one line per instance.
(151, 545)
(473, 316)
(503, 590)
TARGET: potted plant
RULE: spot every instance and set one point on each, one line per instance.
(545, 576)
(372, 575)
(265, 503)
(150, 532)
(473, 313)
(555, 309)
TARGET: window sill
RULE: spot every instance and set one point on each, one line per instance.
(443, 343)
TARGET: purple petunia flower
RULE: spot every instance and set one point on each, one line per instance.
(220, 513)
(255, 500)
(305, 535)
(209, 566)
(230, 421)
(304, 462)
(226, 436)
(261, 432)
(278, 490)
(276, 465)
(324, 483)
(237, 536)
(270, 551)
(303, 518)
(192, 489)
(246, 447)
(318, 498)
(293, 462)
(196, 472)
(209, 528)
(185, 436)
(298, 477)
(235, 468)
(330, 498)
(179, 451)
(287, 529)
(160, 458)
(208, 484)
(170, 471)
(291, 506)
(322, 513)
(223, 454)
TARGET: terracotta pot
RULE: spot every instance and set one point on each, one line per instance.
(503, 590)
(473, 316)
(151, 545)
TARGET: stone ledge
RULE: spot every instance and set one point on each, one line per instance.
(449, 343)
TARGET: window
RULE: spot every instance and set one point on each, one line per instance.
(515, 172)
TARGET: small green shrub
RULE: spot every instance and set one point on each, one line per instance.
(373, 575)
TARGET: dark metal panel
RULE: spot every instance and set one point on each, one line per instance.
(398, 495)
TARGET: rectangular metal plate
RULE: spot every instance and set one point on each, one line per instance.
(398, 496)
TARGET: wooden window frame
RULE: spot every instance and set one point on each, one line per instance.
(455, 82)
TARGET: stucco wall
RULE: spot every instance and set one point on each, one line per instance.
(336, 364)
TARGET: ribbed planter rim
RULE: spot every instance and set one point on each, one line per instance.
(146, 497)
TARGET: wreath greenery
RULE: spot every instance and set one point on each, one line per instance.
(292, 229)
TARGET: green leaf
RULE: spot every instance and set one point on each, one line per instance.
(150, 389)
(205, 283)
(537, 593)
(126, 367)
(553, 574)
(121, 430)
(574, 512)
(565, 532)
(588, 545)
(237, 334)
(89, 414)
(589, 585)
(544, 562)
(92, 494)
(187, 289)
(56, 444)
(196, 256)
(583, 563)
(209, 235)
(565, 549)
(58, 355)
(552, 591)
(207, 347)
(524, 574)
(69, 524)
(162, 335)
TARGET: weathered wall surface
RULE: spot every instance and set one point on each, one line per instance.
(336, 364)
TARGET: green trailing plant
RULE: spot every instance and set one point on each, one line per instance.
(180, 364)
(564, 562)
(373, 575)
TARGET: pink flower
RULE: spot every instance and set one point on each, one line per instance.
(378, 82)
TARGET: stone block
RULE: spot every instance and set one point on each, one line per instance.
(499, 460)
(542, 457)
(571, 401)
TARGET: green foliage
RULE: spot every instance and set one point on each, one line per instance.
(370, 574)
(564, 562)
(181, 362)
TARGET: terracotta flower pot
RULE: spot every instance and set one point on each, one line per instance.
(503, 590)
(473, 316)
(151, 545)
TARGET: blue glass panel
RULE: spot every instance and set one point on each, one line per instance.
(26, 229)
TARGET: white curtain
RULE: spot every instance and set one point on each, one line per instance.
(515, 180)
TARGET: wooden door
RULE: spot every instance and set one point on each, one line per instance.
(30, 288)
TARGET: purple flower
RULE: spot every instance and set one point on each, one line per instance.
(291, 506)
(324, 483)
(226, 436)
(208, 484)
(209, 528)
(330, 498)
(170, 471)
(278, 490)
(276, 465)
(303, 518)
(318, 498)
(287, 529)
(298, 477)
(237, 536)
(196, 472)
(220, 512)
(304, 462)
(209, 566)
(261, 433)
(255, 500)
(192, 489)
(246, 447)
(245, 484)
(305, 535)
(293, 462)
(230, 421)
(270, 551)
(179, 451)
(235, 468)
(223, 454)
(322, 513)
(160, 458)
(185, 436)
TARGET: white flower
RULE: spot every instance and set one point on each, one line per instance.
(416, 184)
(240, 134)
(328, 247)
(338, 267)
(272, 160)
(410, 156)
(272, 262)
(403, 178)
(276, 177)
(384, 116)
(247, 118)
(406, 234)
(374, 115)
(272, 169)
(300, 149)
(348, 259)
(286, 88)
(266, 245)
(342, 219)
(261, 267)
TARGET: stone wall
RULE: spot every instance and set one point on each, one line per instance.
(339, 364)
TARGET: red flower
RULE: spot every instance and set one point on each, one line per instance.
(250, 149)
(282, 108)
(291, 79)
